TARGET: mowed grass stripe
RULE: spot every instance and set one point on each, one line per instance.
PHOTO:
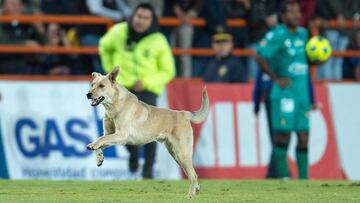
(174, 191)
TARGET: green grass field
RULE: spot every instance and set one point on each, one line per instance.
(174, 191)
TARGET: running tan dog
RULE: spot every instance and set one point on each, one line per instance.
(130, 121)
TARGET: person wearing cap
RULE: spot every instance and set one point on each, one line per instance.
(224, 67)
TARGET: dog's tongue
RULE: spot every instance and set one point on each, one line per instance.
(96, 101)
(93, 102)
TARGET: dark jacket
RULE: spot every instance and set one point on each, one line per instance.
(82, 9)
(330, 9)
(17, 33)
(260, 9)
(227, 70)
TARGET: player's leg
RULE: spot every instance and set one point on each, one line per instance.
(302, 154)
(279, 154)
(282, 121)
(302, 129)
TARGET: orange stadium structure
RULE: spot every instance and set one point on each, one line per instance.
(84, 19)
(87, 19)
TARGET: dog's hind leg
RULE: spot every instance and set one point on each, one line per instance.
(169, 147)
(182, 151)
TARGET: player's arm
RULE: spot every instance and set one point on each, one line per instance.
(282, 82)
(268, 48)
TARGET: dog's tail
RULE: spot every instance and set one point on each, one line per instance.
(201, 114)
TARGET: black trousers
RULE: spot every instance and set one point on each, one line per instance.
(150, 148)
(271, 172)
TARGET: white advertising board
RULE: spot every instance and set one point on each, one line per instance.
(46, 127)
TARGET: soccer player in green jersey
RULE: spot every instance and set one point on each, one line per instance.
(281, 54)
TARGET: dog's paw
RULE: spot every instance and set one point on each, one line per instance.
(99, 162)
(189, 196)
(90, 147)
(197, 189)
(99, 158)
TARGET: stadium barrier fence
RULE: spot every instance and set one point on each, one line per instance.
(168, 21)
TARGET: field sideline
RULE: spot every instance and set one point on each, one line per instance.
(174, 191)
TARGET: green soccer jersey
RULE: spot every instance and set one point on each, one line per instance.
(285, 53)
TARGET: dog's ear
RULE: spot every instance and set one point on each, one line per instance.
(114, 73)
(95, 74)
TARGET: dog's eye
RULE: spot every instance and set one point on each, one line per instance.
(92, 84)
(101, 86)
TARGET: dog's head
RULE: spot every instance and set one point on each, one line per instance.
(102, 87)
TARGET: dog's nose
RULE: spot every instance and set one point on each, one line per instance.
(89, 95)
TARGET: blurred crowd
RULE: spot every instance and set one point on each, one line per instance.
(260, 15)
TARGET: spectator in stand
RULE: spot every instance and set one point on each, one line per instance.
(157, 4)
(182, 36)
(89, 35)
(307, 8)
(52, 64)
(225, 67)
(117, 10)
(215, 22)
(262, 17)
(238, 9)
(339, 38)
(351, 66)
(59, 6)
(80, 63)
(16, 33)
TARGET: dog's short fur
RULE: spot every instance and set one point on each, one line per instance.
(130, 121)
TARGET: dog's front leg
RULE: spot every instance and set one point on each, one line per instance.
(99, 157)
(109, 128)
(108, 140)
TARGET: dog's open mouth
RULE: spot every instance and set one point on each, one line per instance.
(97, 101)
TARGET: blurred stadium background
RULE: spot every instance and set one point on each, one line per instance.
(48, 48)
